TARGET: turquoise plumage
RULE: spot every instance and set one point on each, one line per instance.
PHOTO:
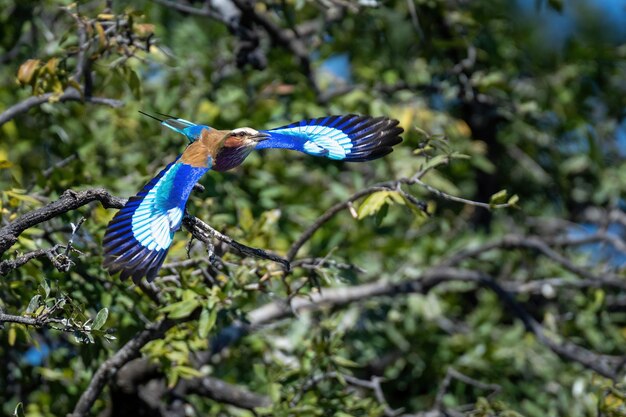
(139, 235)
(350, 138)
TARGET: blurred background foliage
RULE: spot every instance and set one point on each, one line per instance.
(532, 91)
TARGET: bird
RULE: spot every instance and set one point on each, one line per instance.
(139, 235)
(350, 138)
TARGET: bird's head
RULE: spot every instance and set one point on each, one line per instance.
(244, 137)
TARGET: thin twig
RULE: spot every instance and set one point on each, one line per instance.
(318, 263)
(452, 373)
(393, 185)
(48, 171)
(203, 232)
(44, 320)
(373, 384)
(9, 265)
(534, 243)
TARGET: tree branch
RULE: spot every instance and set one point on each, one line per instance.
(111, 366)
(452, 373)
(203, 232)
(606, 365)
(223, 392)
(394, 185)
(71, 200)
(373, 384)
(9, 265)
(204, 11)
(44, 320)
(26, 321)
(134, 380)
(70, 94)
(535, 243)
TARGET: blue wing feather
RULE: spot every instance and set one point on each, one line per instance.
(140, 234)
(349, 137)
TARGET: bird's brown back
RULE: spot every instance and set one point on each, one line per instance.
(209, 144)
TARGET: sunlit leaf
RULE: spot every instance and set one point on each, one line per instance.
(498, 198)
(181, 309)
(12, 336)
(206, 322)
(374, 202)
(33, 304)
(27, 71)
(100, 319)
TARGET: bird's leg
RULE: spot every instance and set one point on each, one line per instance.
(210, 248)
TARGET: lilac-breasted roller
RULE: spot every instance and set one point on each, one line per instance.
(140, 234)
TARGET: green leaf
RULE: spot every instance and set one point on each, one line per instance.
(21, 196)
(345, 362)
(513, 200)
(498, 198)
(381, 214)
(46, 288)
(172, 377)
(12, 336)
(188, 372)
(19, 407)
(33, 304)
(576, 165)
(435, 162)
(181, 309)
(372, 204)
(207, 321)
(134, 84)
(459, 155)
(100, 319)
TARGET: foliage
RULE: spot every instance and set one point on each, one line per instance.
(493, 115)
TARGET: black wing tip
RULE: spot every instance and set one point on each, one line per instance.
(124, 254)
(379, 153)
(376, 139)
(138, 266)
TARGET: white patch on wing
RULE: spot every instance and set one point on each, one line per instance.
(321, 138)
(151, 228)
(312, 148)
(175, 215)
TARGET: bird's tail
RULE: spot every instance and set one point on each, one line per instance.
(178, 125)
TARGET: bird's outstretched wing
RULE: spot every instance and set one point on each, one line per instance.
(345, 138)
(139, 236)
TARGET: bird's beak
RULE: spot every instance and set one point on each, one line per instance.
(260, 136)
